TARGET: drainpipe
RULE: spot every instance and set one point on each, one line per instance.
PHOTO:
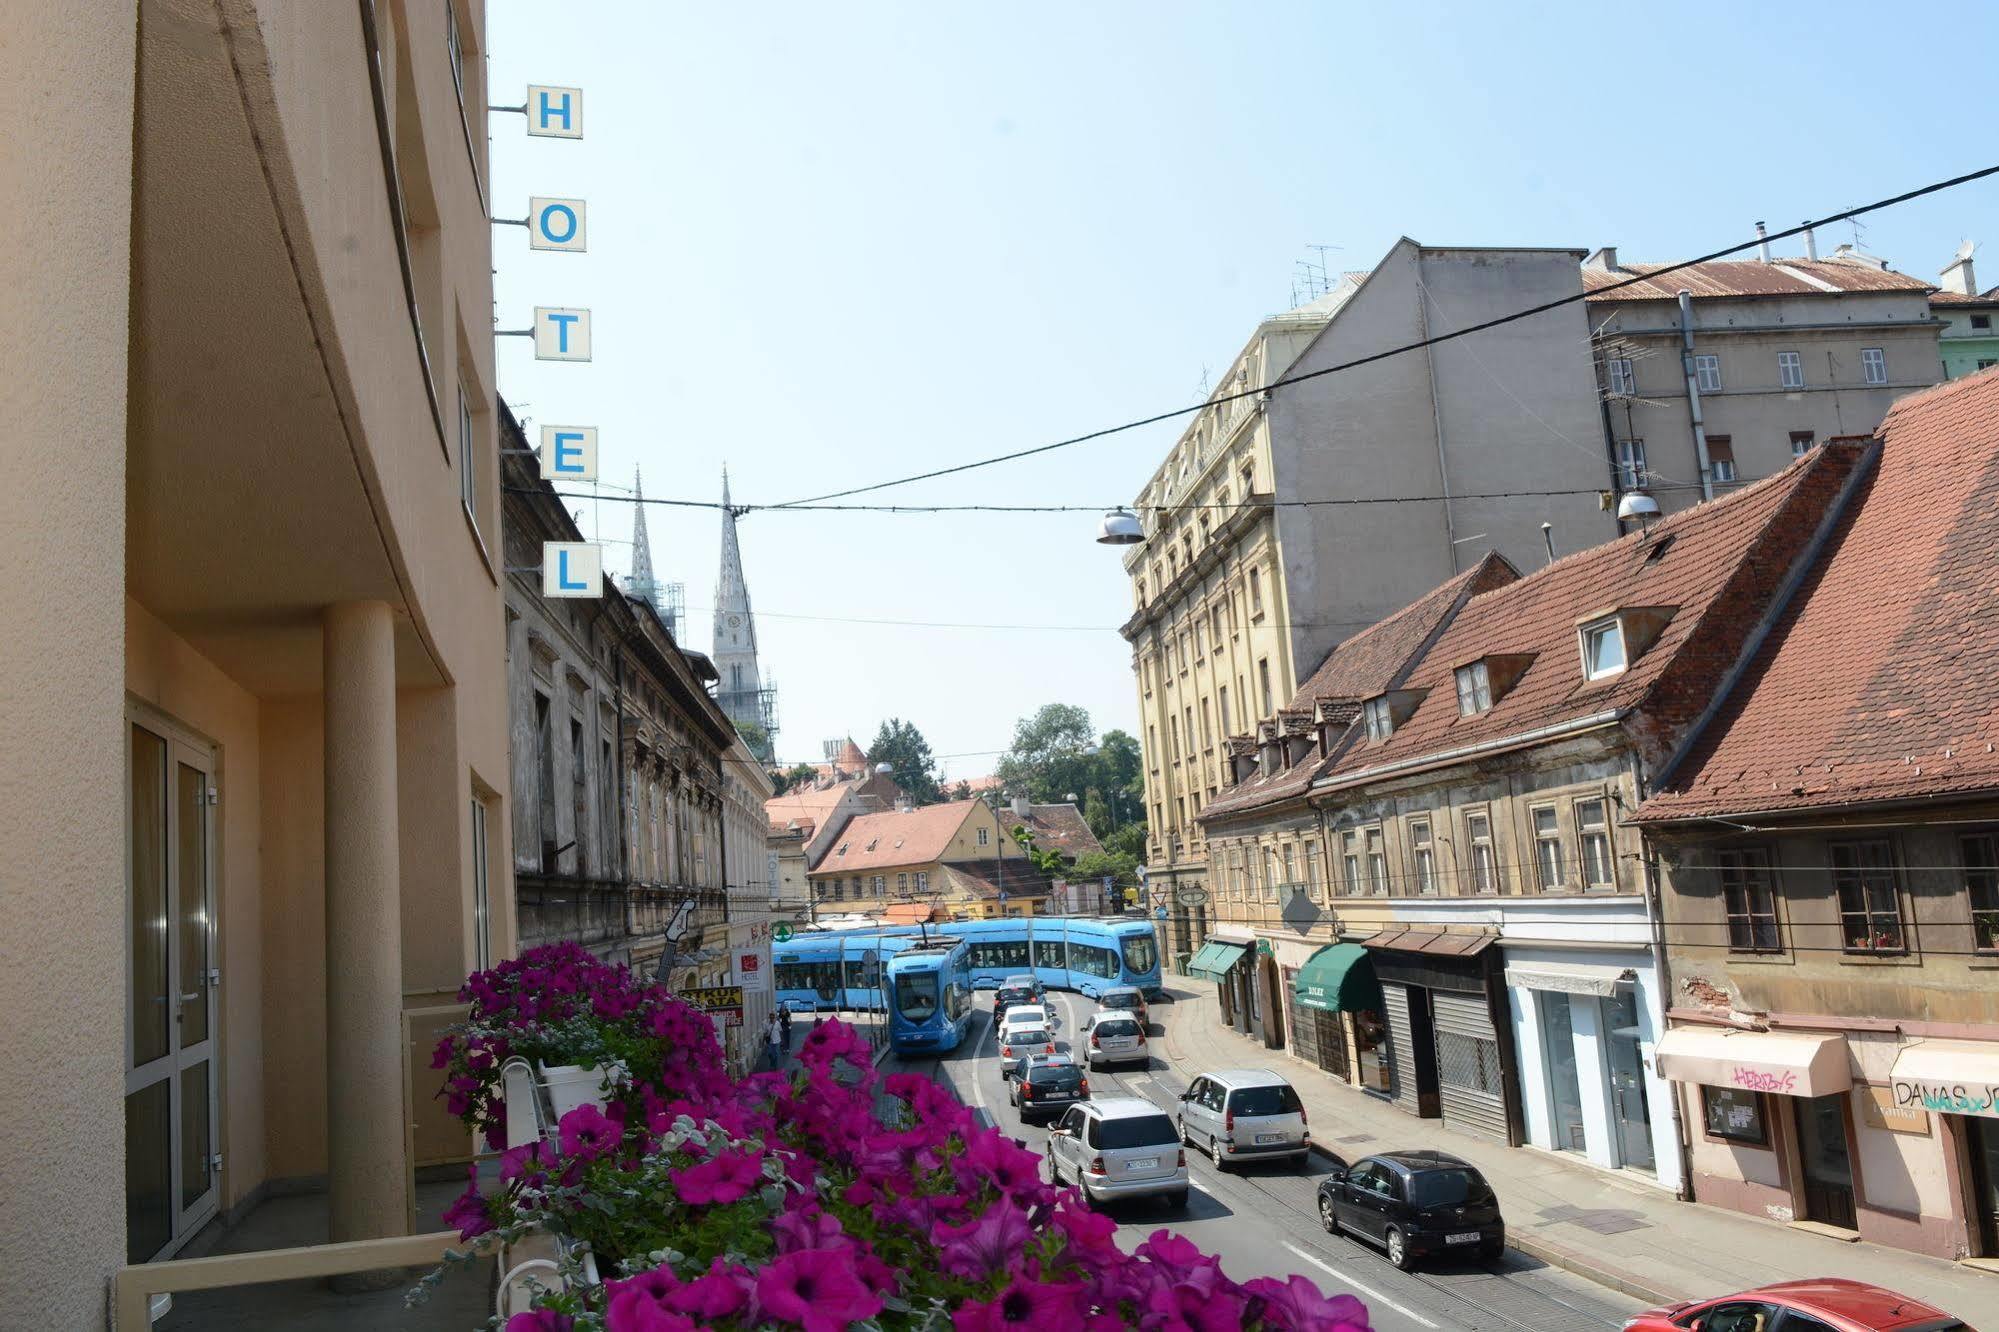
(1663, 976)
(1694, 392)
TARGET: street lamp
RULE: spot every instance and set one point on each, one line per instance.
(1120, 528)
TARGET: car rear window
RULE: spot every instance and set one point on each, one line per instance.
(1138, 1131)
(1125, 1000)
(1448, 1188)
(1278, 1100)
(1055, 1075)
(1026, 1036)
(1116, 1027)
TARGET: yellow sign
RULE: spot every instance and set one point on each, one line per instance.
(714, 998)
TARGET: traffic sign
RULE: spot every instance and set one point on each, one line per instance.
(780, 932)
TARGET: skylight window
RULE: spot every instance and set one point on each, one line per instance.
(1603, 648)
(843, 849)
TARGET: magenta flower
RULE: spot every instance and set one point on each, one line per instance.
(468, 1211)
(587, 1132)
(1013, 1169)
(985, 1246)
(634, 1310)
(815, 1289)
(1187, 1306)
(1296, 1303)
(717, 1293)
(1024, 1303)
(540, 1320)
(722, 1178)
(806, 1228)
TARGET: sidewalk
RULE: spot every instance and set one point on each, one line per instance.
(1622, 1233)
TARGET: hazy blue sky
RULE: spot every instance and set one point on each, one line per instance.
(836, 243)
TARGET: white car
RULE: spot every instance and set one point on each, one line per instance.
(1119, 1147)
(1023, 1031)
(1114, 1037)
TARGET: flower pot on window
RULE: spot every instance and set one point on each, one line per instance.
(571, 1085)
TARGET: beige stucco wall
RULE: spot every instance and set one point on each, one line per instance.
(65, 175)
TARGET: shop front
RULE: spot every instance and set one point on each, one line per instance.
(1336, 1014)
(1224, 963)
(1958, 1083)
(1448, 1043)
(1585, 1025)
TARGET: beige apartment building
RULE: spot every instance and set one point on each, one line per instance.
(1766, 359)
(1415, 466)
(255, 739)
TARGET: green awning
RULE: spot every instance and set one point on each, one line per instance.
(1216, 959)
(1339, 978)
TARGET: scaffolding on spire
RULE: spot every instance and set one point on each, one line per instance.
(749, 700)
(668, 600)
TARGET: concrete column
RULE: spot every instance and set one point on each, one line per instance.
(367, 1175)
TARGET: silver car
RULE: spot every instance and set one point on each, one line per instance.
(1118, 1147)
(1114, 1038)
(1243, 1113)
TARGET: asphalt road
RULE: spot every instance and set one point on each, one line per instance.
(1261, 1219)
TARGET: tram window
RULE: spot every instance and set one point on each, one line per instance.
(1141, 954)
(1048, 953)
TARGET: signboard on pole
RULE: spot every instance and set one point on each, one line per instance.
(572, 569)
(723, 1000)
(750, 972)
(569, 453)
(557, 224)
(561, 333)
(555, 113)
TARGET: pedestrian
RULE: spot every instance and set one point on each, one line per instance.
(784, 1017)
(774, 1038)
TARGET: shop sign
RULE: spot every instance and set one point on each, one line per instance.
(1878, 1108)
(561, 333)
(557, 224)
(1947, 1098)
(724, 1001)
(554, 112)
(572, 569)
(750, 971)
(569, 453)
(1780, 1081)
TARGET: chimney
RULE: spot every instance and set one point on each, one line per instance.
(1763, 241)
(1605, 258)
(903, 804)
(1958, 276)
(1811, 244)
(1020, 806)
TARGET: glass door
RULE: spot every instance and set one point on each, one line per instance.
(170, 1113)
(1565, 1096)
(1828, 1168)
(1627, 1080)
(1984, 1138)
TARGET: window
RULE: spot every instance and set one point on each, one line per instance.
(482, 919)
(1474, 689)
(902, 885)
(1380, 722)
(1263, 682)
(1873, 365)
(1721, 459)
(879, 886)
(1270, 872)
(1312, 866)
(1986, 363)
(1290, 863)
(1350, 854)
(1173, 729)
(1870, 908)
(1215, 625)
(1593, 840)
(1248, 479)
(1141, 591)
(1222, 705)
(1255, 594)
(1377, 863)
(1981, 882)
(1981, 322)
(1801, 443)
(1548, 849)
(1622, 382)
(454, 46)
(1603, 648)
(1790, 370)
(468, 461)
(1426, 858)
(1734, 1113)
(1707, 373)
(1631, 464)
(1206, 742)
(985, 837)
(1749, 898)
(1484, 869)
(923, 881)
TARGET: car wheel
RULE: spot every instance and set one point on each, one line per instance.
(1328, 1217)
(1491, 1250)
(1177, 1200)
(1215, 1153)
(1398, 1250)
(1181, 1124)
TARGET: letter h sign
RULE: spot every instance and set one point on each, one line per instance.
(555, 113)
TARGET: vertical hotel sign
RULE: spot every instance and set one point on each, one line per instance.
(560, 225)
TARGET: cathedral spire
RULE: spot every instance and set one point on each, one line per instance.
(642, 578)
(742, 693)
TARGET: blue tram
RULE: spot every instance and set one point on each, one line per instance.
(929, 996)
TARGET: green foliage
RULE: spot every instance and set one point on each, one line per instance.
(1050, 862)
(900, 745)
(1127, 840)
(797, 775)
(1094, 865)
(756, 739)
(1053, 756)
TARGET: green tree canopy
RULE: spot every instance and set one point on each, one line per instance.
(1054, 755)
(799, 774)
(912, 766)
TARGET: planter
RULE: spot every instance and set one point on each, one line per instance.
(571, 1085)
(534, 1260)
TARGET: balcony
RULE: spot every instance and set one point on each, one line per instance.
(603, 914)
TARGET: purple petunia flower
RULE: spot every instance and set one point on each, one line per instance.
(1296, 1303)
(722, 1178)
(468, 1211)
(587, 1132)
(985, 1246)
(816, 1289)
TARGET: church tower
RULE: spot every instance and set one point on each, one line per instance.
(742, 693)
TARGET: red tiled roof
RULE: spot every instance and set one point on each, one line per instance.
(1960, 298)
(1747, 277)
(1359, 668)
(984, 879)
(1715, 566)
(810, 804)
(897, 837)
(1881, 682)
(1056, 828)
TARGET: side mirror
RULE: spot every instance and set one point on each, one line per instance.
(1186, 1096)
(1058, 1133)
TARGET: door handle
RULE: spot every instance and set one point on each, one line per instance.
(190, 998)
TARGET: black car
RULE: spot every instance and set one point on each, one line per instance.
(1414, 1204)
(1047, 1085)
(1012, 993)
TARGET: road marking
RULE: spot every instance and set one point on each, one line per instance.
(1368, 1291)
(1196, 1184)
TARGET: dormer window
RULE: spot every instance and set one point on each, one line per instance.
(1603, 648)
(1474, 689)
(872, 841)
(1380, 720)
(843, 849)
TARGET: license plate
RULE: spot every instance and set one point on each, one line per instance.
(1262, 1138)
(1463, 1237)
(1149, 1163)
(1057, 1096)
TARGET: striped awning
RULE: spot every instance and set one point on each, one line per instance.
(1216, 959)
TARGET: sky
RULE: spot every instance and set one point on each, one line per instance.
(833, 244)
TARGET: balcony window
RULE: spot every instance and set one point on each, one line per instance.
(1548, 850)
(1425, 855)
(1870, 905)
(1474, 689)
(1484, 866)
(1749, 898)
(1603, 648)
(1350, 856)
(1377, 863)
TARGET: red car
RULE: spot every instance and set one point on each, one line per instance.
(1823, 1304)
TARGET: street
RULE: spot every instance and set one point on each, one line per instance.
(1260, 1219)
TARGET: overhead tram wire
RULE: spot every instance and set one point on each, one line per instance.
(1906, 196)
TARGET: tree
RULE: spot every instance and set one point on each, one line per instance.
(1050, 862)
(962, 791)
(796, 776)
(1047, 759)
(900, 745)
(1094, 865)
(1127, 840)
(755, 739)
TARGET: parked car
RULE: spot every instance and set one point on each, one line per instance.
(1414, 1204)
(1124, 998)
(1023, 1032)
(1046, 1085)
(1823, 1304)
(1118, 1147)
(1016, 990)
(1240, 1113)
(1114, 1038)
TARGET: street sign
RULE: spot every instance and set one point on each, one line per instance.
(561, 334)
(569, 453)
(572, 569)
(557, 224)
(1296, 906)
(1159, 913)
(780, 932)
(1190, 895)
(555, 113)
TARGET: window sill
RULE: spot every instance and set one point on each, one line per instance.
(1880, 959)
(1769, 959)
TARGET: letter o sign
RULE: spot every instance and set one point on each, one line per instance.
(557, 224)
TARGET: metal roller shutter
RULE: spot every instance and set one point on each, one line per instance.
(1468, 1078)
(1401, 1046)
